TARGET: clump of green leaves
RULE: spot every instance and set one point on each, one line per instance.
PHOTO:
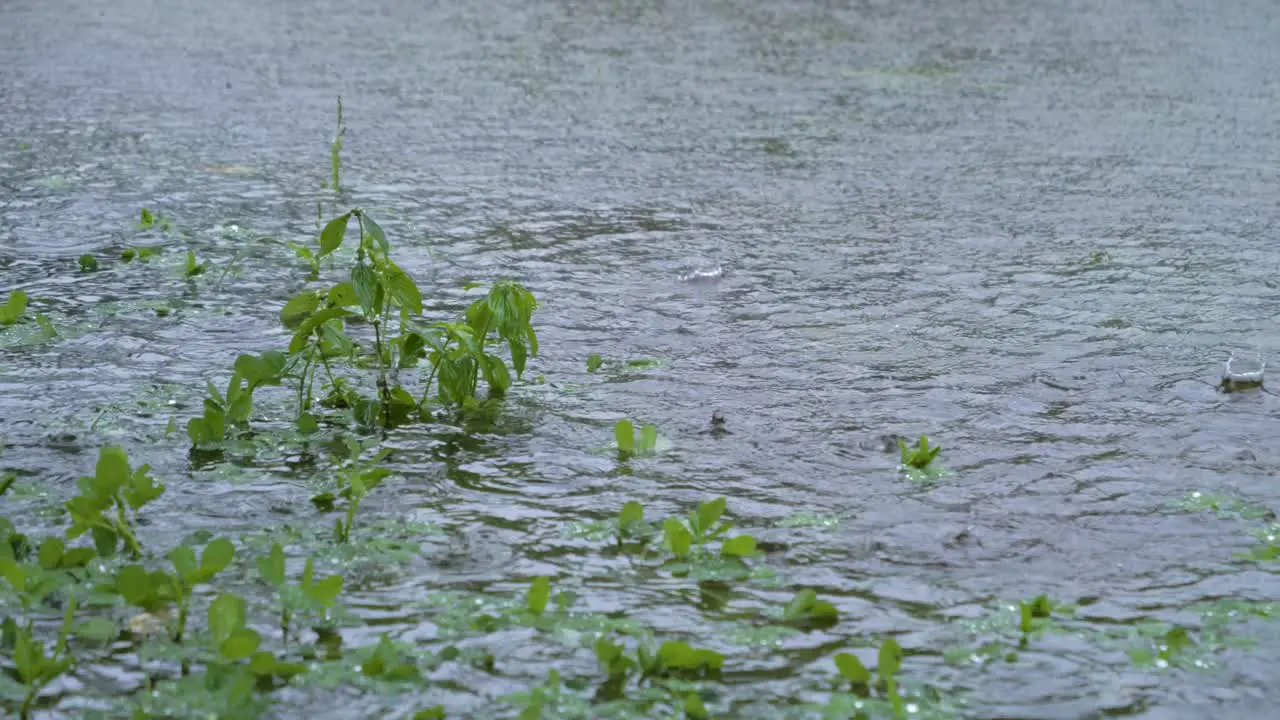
(88, 263)
(35, 668)
(141, 254)
(631, 444)
(807, 611)
(224, 411)
(355, 481)
(309, 594)
(113, 486)
(889, 662)
(920, 456)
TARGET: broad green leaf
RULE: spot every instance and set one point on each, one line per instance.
(631, 514)
(299, 308)
(271, 567)
(497, 376)
(308, 326)
(676, 537)
(134, 585)
(324, 591)
(852, 669)
(539, 593)
(217, 555)
(113, 467)
(405, 291)
(707, 515)
(365, 283)
(13, 307)
(375, 233)
(13, 572)
(800, 604)
(333, 233)
(594, 361)
(50, 554)
(741, 546)
(648, 438)
(241, 644)
(96, 628)
(890, 660)
(226, 616)
(519, 357)
(624, 434)
(342, 295)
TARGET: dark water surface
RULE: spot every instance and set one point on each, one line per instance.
(1032, 230)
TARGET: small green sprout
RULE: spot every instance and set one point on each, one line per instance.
(920, 456)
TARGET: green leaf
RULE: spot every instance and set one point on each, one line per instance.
(184, 562)
(365, 283)
(226, 616)
(708, 514)
(217, 555)
(624, 434)
(852, 669)
(890, 660)
(299, 308)
(405, 291)
(539, 593)
(741, 546)
(113, 468)
(333, 233)
(632, 514)
(134, 585)
(648, 438)
(676, 537)
(45, 326)
(374, 232)
(594, 361)
(325, 591)
(271, 567)
(51, 551)
(146, 219)
(88, 263)
(241, 644)
(98, 629)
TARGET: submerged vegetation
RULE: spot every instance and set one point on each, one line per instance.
(216, 625)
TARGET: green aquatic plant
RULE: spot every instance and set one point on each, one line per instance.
(148, 220)
(226, 411)
(889, 662)
(631, 444)
(13, 308)
(594, 361)
(113, 486)
(920, 456)
(194, 267)
(88, 263)
(356, 480)
(335, 149)
(807, 611)
(381, 295)
(309, 594)
(36, 669)
(141, 254)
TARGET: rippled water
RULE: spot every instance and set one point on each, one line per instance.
(1034, 231)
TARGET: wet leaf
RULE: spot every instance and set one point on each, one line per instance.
(852, 669)
(272, 567)
(594, 361)
(374, 232)
(890, 659)
(299, 308)
(539, 593)
(624, 434)
(333, 233)
(741, 546)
